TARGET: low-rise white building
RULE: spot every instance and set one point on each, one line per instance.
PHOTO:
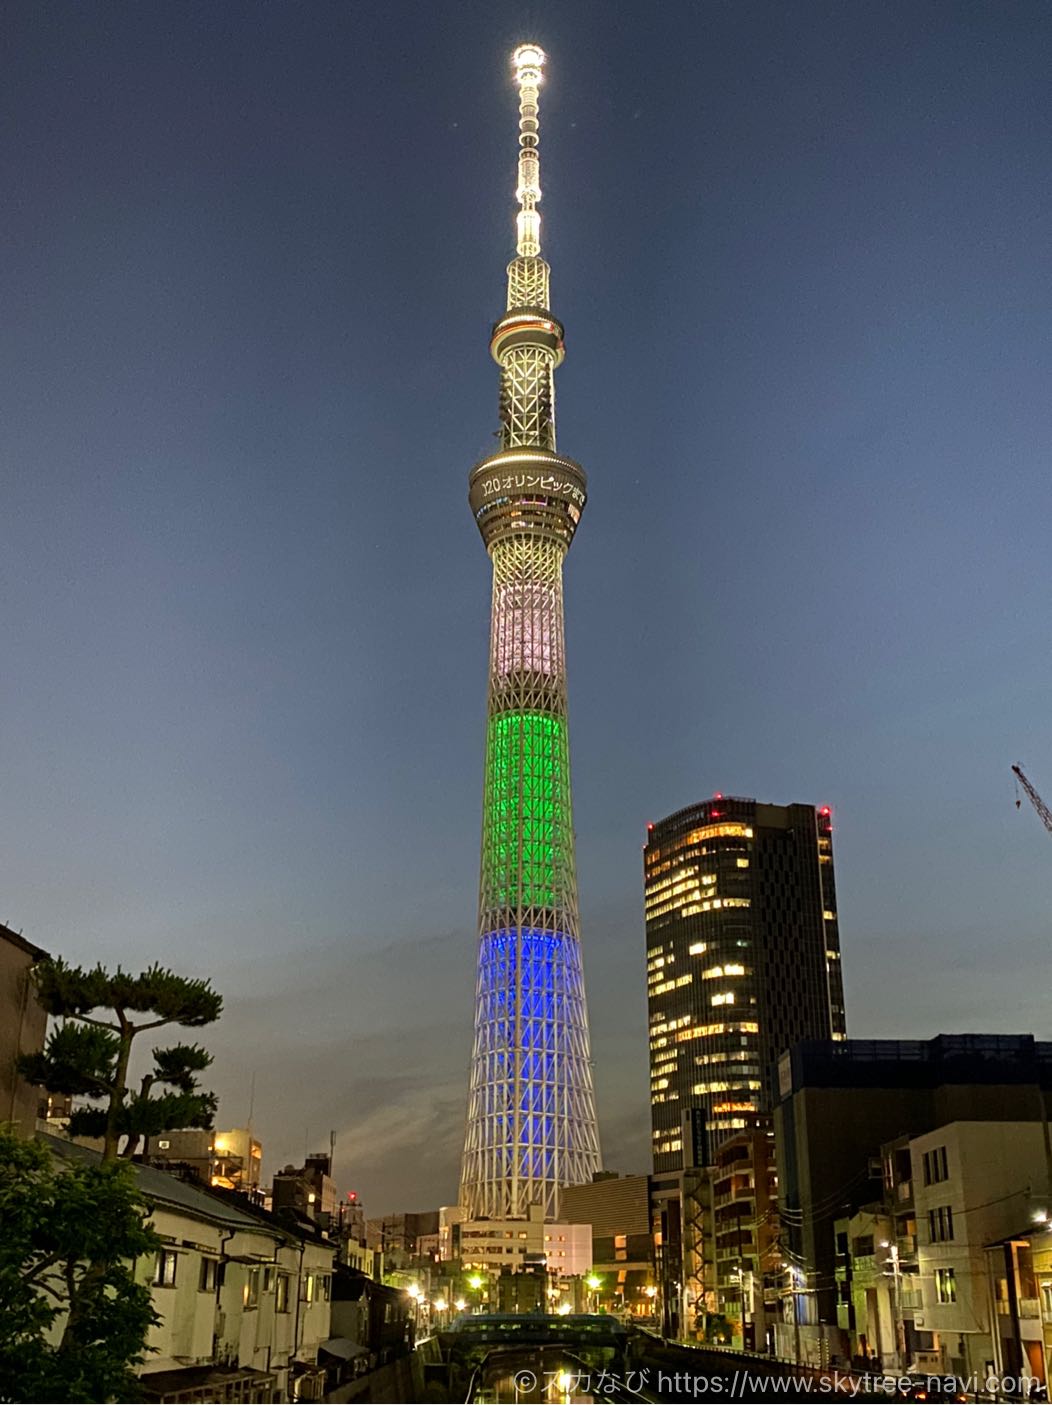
(494, 1245)
(973, 1183)
(568, 1249)
(243, 1300)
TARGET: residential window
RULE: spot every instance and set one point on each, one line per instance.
(324, 1287)
(209, 1275)
(945, 1285)
(935, 1169)
(251, 1291)
(307, 1288)
(281, 1295)
(1046, 1301)
(164, 1268)
(268, 1280)
(940, 1225)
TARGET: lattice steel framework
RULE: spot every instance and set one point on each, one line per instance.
(531, 1125)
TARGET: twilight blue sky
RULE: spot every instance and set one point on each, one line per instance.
(250, 255)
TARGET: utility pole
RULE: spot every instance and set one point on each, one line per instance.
(896, 1303)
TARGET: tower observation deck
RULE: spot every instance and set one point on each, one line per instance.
(531, 1125)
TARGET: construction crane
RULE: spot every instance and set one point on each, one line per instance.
(1032, 795)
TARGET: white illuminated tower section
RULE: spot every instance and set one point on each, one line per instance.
(531, 1126)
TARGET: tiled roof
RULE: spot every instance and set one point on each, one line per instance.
(163, 1189)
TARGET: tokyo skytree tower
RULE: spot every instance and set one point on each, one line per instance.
(531, 1125)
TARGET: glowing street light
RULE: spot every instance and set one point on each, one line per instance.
(594, 1281)
(460, 1304)
(475, 1281)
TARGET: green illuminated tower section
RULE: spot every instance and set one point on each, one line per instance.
(531, 1125)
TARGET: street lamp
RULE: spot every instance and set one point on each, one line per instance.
(415, 1295)
(593, 1282)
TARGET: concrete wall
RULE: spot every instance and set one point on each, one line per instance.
(388, 1385)
(22, 1027)
(613, 1205)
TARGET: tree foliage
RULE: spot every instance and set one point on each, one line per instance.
(73, 1321)
(88, 1054)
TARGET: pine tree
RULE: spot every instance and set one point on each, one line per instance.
(88, 1054)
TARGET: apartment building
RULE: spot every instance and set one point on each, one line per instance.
(243, 1301)
(973, 1183)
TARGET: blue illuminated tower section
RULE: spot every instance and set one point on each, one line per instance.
(531, 1125)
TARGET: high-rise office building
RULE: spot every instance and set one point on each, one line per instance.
(531, 1125)
(743, 961)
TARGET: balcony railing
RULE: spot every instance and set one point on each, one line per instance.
(1029, 1307)
(745, 1196)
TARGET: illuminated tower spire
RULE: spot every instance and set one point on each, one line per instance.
(531, 1126)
